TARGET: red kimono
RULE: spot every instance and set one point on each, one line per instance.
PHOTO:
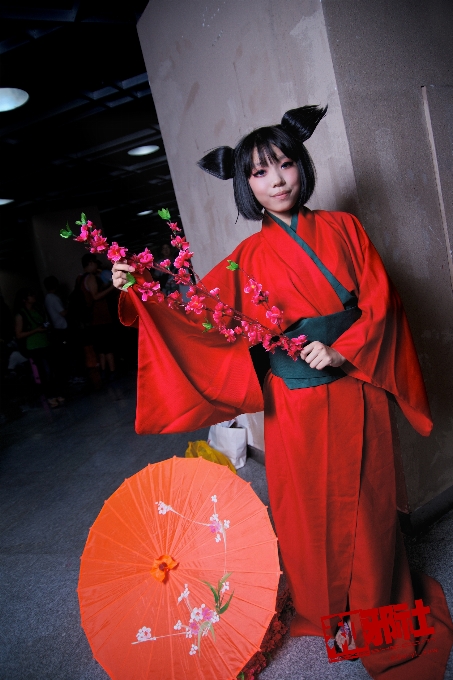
(329, 453)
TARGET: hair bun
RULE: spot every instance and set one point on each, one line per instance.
(301, 123)
(219, 162)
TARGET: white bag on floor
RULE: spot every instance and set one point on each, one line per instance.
(231, 441)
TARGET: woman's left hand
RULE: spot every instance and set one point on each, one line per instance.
(319, 356)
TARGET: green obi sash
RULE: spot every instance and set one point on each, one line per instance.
(325, 329)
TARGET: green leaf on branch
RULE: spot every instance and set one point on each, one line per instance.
(83, 218)
(224, 578)
(232, 266)
(223, 609)
(164, 213)
(214, 592)
(66, 233)
(129, 281)
(207, 326)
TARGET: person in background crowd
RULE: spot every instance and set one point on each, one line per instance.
(31, 332)
(101, 322)
(59, 334)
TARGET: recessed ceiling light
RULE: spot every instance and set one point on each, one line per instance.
(4, 201)
(11, 98)
(144, 212)
(143, 150)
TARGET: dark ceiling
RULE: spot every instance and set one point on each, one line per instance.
(89, 103)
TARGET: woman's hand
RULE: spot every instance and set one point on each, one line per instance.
(119, 271)
(319, 356)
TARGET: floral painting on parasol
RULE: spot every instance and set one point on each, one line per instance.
(179, 574)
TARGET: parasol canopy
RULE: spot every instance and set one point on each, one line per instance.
(179, 574)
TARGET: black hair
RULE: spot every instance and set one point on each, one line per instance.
(87, 258)
(50, 283)
(296, 127)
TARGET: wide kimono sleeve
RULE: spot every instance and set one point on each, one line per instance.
(187, 379)
(378, 347)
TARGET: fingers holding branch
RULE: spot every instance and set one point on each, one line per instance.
(119, 273)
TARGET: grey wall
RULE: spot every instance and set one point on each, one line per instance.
(383, 52)
(217, 70)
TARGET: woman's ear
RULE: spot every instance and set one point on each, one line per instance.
(219, 162)
(301, 123)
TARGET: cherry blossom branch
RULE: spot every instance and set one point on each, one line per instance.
(181, 270)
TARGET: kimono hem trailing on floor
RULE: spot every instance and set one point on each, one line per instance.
(329, 453)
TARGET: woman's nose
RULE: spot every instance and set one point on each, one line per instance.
(277, 178)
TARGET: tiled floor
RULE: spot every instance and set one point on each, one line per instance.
(55, 472)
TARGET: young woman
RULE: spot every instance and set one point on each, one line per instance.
(329, 453)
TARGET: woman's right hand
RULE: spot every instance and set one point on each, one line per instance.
(119, 271)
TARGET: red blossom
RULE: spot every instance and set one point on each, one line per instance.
(182, 277)
(173, 226)
(195, 305)
(84, 235)
(146, 258)
(295, 345)
(183, 259)
(180, 242)
(165, 263)
(116, 252)
(148, 289)
(275, 315)
(174, 300)
(271, 342)
(135, 262)
(98, 244)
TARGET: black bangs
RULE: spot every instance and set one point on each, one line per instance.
(263, 139)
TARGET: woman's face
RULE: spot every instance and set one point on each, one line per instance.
(276, 185)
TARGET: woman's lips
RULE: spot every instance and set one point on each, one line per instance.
(282, 194)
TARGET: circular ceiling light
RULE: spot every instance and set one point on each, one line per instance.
(5, 201)
(143, 150)
(11, 98)
(144, 212)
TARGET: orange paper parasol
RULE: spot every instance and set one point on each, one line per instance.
(179, 575)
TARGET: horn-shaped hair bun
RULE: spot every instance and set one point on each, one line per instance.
(301, 123)
(219, 162)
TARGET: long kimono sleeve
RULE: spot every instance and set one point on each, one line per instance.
(379, 346)
(186, 379)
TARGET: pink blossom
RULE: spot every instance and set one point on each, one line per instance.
(98, 244)
(219, 312)
(260, 296)
(271, 342)
(229, 334)
(183, 259)
(174, 300)
(192, 291)
(275, 315)
(180, 242)
(173, 226)
(255, 334)
(135, 262)
(214, 291)
(146, 258)
(116, 252)
(238, 330)
(253, 286)
(295, 345)
(165, 263)
(182, 277)
(85, 232)
(148, 289)
(196, 304)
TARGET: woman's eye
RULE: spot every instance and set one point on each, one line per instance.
(258, 173)
(287, 164)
